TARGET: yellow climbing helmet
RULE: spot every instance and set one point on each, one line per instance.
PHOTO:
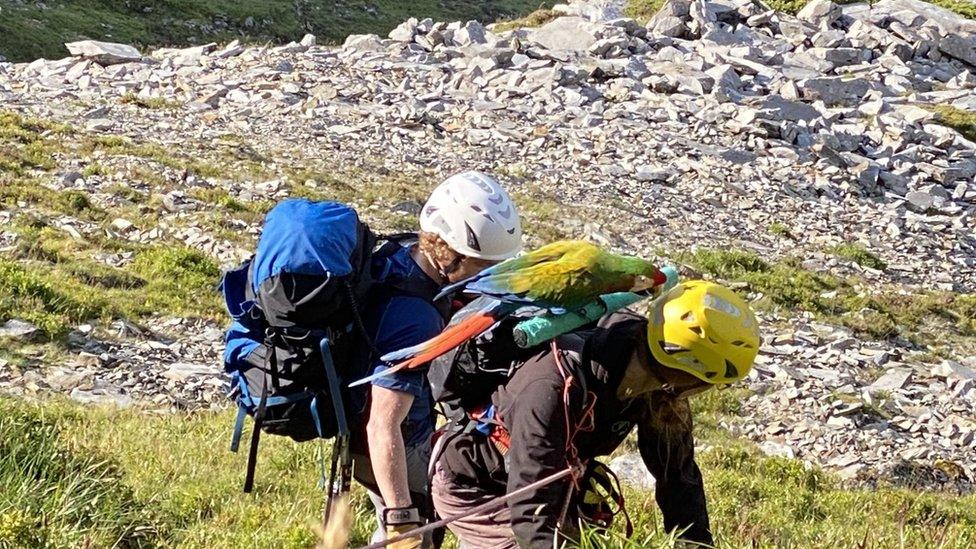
(704, 329)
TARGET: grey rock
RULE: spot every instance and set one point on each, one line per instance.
(18, 329)
(100, 124)
(102, 393)
(892, 380)
(471, 33)
(230, 50)
(920, 201)
(630, 469)
(180, 372)
(308, 40)
(363, 42)
(951, 368)
(567, 34)
(959, 47)
(778, 108)
(777, 449)
(672, 27)
(837, 90)
(820, 12)
(104, 53)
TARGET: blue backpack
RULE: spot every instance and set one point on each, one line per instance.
(297, 335)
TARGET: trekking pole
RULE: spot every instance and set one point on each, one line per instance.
(340, 451)
(417, 532)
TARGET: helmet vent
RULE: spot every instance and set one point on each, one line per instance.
(688, 317)
(709, 375)
(730, 370)
(697, 330)
(670, 348)
(739, 343)
(472, 238)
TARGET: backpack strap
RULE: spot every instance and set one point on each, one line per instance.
(252, 455)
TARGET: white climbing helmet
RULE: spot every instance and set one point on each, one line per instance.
(475, 216)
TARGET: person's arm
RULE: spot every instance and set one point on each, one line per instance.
(405, 321)
(538, 449)
(388, 408)
(668, 450)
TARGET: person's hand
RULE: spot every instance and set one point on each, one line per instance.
(394, 530)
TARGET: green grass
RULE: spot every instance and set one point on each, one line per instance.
(923, 317)
(535, 19)
(149, 102)
(51, 280)
(73, 476)
(961, 120)
(27, 144)
(642, 10)
(962, 7)
(29, 31)
(780, 229)
(860, 255)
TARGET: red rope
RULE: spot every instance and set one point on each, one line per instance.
(587, 419)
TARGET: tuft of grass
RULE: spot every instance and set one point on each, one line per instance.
(94, 169)
(154, 103)
(52, 495)
(69, 202)
(642, 10)
(860, 255)
(962, 7)
(219, 197)
(118, 145)
(961, 120)
(27, 143)
(780, 229)
(535, 19)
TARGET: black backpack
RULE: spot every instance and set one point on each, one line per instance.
(300, 297)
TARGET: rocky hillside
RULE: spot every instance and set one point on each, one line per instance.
(821, 163)
(31, 28)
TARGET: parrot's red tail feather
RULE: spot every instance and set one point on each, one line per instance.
(450, 338)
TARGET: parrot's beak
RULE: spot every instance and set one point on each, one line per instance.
(642, 284)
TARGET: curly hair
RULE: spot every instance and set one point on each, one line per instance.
(433, 245)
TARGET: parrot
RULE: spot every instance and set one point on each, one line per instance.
(567, 274)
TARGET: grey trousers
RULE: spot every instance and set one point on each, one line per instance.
(418, 458)
(492, 530)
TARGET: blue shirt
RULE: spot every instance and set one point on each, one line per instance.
(397, 321)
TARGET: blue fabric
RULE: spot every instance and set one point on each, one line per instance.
(305, 237)
(400, 321)
(241, 341)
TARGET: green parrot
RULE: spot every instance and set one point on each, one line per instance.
(568, 274)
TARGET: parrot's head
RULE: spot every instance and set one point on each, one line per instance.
(642, 283)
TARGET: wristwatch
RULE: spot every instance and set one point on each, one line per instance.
(394, 516)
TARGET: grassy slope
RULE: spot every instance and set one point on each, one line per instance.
(72, 476)
(30, 31)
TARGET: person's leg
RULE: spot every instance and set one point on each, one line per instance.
(490, 530)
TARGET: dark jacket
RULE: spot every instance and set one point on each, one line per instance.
(531, 406)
